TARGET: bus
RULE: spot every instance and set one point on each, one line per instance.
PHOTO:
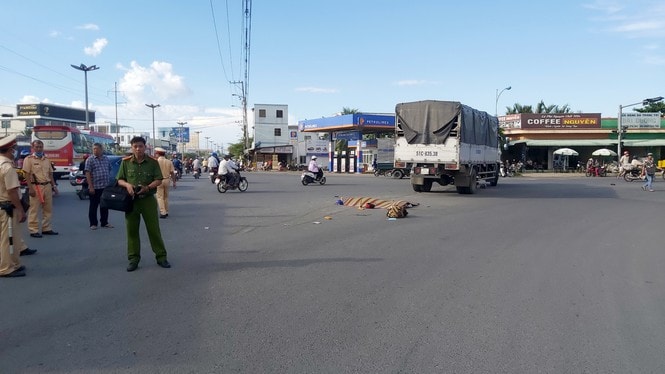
(66, 146)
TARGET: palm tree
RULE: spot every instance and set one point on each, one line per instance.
(519, 108)
(346, 110)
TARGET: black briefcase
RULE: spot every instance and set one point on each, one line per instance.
(117, 198)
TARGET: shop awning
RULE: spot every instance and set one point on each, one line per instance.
(564, 142)
(644, 142)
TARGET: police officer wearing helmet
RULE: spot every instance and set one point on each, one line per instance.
(9, 197)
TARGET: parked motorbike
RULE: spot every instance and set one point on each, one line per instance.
(239, 182)
(633, 174)
(591, 171)
(77, 179)
(308, 177)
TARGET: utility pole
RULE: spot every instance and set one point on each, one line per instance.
(207, 137)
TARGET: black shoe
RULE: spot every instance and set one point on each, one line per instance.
(14, 274)
(165, 264)
(36, 235)
(163, 215)
(49, 232)
(28, 252)
(21, 268)
(132, 266)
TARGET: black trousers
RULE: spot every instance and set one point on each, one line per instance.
(92, 210)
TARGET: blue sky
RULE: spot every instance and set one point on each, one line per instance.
(320, 56)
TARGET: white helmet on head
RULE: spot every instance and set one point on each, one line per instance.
(313, 157)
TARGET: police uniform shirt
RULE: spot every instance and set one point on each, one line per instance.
(166, 167)
(140, 173)
(9, 178)
(40, 167)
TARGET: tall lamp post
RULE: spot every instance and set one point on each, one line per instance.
(85, 70)
(496, 102)
(182, 124)
(620, 128)
(154, 137)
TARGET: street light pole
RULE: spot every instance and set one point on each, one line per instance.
(496, 102)
(85, 70)
(620, 128)
(154, 137)
(207, 137)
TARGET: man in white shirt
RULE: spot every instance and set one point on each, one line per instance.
(228, 170)
(213, 164)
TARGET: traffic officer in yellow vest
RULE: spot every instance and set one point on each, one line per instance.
(10, 205)
(168, 173)
(140, 175)
(41, 189)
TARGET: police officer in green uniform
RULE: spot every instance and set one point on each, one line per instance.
(140, 175)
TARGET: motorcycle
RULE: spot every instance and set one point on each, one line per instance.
(308, 177)
(197, 173)
(591, 171)
(633, 174)
(77, 179)
(239, 182)
(213, 174)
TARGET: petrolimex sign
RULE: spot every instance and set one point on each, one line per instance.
(561, 121)
(640, 120)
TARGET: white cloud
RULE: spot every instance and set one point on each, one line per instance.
(54, 33)
(88, 26)
(158, 82)
(316, 90)
(96, 48)
(636, 19)
(30, 99)
(411, 82)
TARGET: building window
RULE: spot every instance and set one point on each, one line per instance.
(262, 113)
(278, 132)
(280, 113)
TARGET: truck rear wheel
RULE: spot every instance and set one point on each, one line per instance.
(398, 174)
(417, 187)
(427, 186)
(471, 188)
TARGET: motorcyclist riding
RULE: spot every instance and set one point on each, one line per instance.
(228, 170)
(314, 168)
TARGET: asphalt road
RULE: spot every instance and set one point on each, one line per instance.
(549, 275)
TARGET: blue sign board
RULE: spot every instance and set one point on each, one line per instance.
(180, 134)
(349, 122)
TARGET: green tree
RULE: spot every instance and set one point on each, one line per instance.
(653, 108)
(541, 107)
(519, 108)
(346, 110)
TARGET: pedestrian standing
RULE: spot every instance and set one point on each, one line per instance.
(140, 175)
(39, 174)
(97, 174)
(168, 173)
(11, 212)
(649, 171)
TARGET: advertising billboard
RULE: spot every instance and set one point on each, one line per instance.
(180, 134)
